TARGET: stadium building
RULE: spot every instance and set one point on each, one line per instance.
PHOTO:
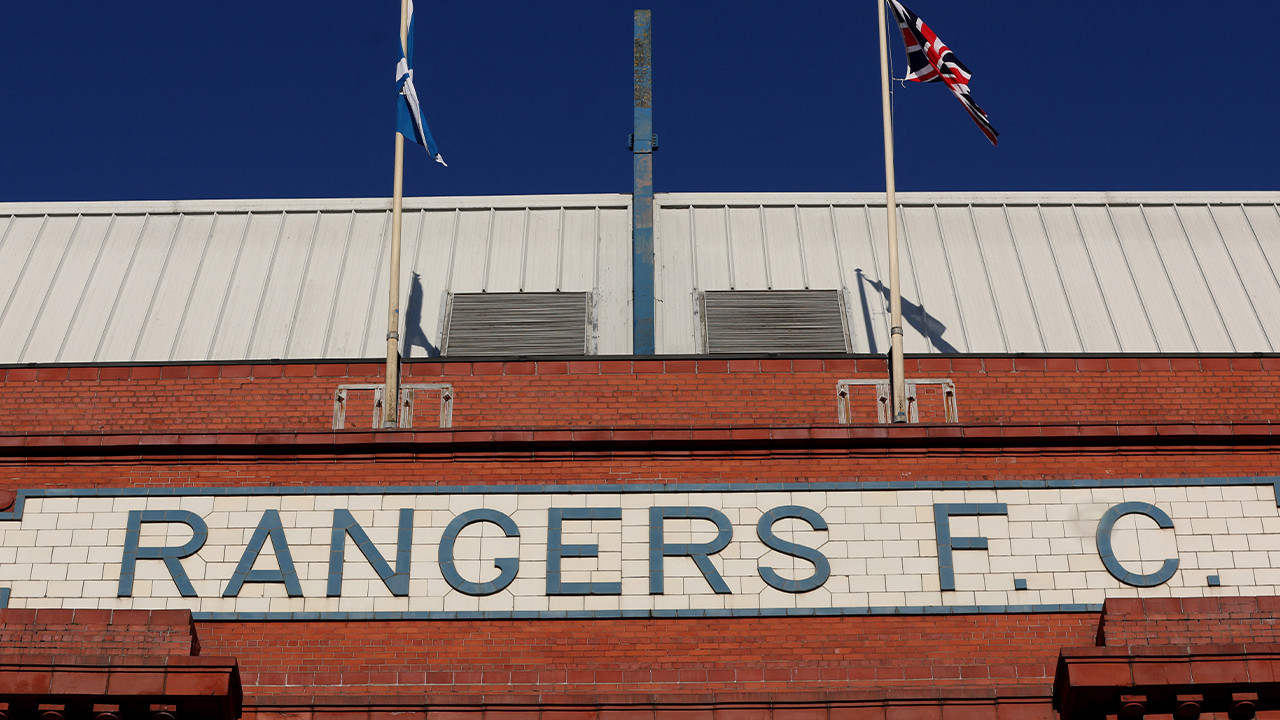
(203, 517)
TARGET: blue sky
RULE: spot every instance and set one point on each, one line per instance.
(284, 98)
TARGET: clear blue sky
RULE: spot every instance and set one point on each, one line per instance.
(284, 98)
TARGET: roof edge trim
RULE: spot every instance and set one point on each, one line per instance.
(139, 207)
(676, 200)
(623, 201)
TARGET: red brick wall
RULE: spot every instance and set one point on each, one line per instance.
(154, 633)
(687, 657)
(630, 393)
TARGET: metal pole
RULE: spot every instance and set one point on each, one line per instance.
(391, 394)
(642, 147)
(898, 397)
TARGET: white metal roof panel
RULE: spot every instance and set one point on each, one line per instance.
(981, 273)
(580, 234)
(60, 302)
(611, 276)
(784, 253)
(131, 308)
(356, 307)
(676, 274)
(1014, 310)
(1037, 263)
(540, 253)
(1222, 274)
(819, 248)
(935, 312)
(1161, 305)
(276, 313)
(1196, 298)
(969, 277)
(1129, 317)
(862, 258)
(1257, 273)
(38, 245)
(1079, 273)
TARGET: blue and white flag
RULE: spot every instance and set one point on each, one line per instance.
(409, 122)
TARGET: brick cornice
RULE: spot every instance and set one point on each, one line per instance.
(201, 688)
(1109, 437)
(1011, 703)
(1139, 680)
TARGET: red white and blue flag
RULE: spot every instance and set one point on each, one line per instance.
(930, 60)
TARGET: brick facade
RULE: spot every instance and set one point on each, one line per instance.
(621, 421)
(638, 393)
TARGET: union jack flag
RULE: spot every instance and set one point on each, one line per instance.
(930, 60)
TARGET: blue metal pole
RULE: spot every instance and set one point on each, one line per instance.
(642, 147)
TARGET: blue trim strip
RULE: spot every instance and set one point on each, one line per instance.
(878, 485)
(660, 613)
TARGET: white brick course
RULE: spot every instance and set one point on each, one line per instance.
(881, 546)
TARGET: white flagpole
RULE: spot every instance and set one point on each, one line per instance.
(391, 394)
(898, 396)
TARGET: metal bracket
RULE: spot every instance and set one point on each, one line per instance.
(408, 395)
(653, 142)
(884, 412)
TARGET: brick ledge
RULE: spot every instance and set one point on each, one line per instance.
(589, 439)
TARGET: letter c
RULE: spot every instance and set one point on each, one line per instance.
(1109, 560)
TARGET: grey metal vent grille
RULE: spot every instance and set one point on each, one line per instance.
(517, 324)
(790, 321)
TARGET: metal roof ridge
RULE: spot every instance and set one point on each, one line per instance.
(1090, 197)
(622, 200)
(268, 205)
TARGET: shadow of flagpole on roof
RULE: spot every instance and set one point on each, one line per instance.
(924, 323)
(413, 334)
(868, 328)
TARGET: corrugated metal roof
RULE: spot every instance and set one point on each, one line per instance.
(306, 279)
(994, 273)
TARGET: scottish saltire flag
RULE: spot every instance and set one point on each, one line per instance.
(409, 122)
(930, 60)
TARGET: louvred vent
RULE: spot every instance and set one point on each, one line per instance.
(507, 324)
(774, 321)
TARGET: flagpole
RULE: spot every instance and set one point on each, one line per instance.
(898, 395)
(391, 395)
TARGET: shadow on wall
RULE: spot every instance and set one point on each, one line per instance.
(924, 323)
(413, 334)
